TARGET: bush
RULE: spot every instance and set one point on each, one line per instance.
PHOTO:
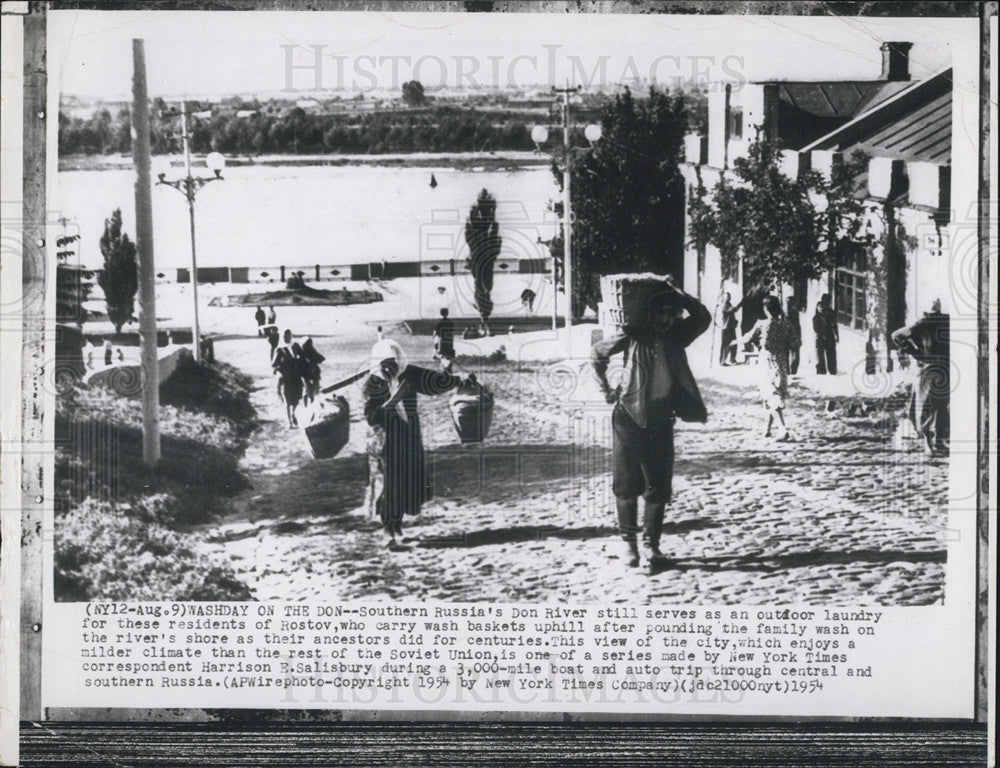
(498, 355)
(217, 389)
(116, 536)
(121, 551)
(100, 439)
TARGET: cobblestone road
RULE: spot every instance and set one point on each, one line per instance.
(839, 516)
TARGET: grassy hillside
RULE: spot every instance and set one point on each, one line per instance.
(122, 530)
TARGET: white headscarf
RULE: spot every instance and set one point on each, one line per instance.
(385, 349)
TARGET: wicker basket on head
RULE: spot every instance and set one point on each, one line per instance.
(626, 299)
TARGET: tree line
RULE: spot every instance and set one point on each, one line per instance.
(276, 128)
(296, 131)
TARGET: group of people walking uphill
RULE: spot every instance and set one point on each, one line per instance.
(656, 387)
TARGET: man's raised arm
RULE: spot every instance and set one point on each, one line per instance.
(600, 357)
(698, 321)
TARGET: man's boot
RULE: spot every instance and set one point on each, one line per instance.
(628, 526)
(652, 530)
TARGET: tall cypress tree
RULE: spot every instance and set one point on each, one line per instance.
(482, 235)
(120, 277)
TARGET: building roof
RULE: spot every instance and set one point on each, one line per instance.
(843, 99)
(809, 110)
(925, 135)
(913, 124)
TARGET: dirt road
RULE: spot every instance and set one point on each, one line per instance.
(837, 517)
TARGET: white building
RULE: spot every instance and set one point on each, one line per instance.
(904, 127)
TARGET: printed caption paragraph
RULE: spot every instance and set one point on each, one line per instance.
(501, 657)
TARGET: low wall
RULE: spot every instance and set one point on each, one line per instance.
(318, 273)
(125, 378)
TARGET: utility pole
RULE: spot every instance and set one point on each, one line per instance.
(147, 269)
(196, 328)
(539, 135)
(567, 208)
(189, 186)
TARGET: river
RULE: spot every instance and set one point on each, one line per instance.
(301, 215)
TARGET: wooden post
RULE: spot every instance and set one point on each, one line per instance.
(35, 453)
(147, 269)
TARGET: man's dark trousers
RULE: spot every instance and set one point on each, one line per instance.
(826, 356)
(643, 466)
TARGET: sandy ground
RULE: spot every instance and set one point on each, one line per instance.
(840, 516)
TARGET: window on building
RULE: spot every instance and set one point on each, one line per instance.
(851, 286)
(736, 124)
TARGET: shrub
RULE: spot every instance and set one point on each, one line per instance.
(120, 551)
(498, 355)
(115, 537)
(217, 389)
(100, 439)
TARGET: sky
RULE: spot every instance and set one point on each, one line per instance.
(206, 53)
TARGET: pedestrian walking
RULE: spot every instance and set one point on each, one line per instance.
(311, 372)
(658, 388)
(261, 318)
(795, 340)
(286, 339)
(928, 342)
(774, 333)
(273, 340)
(108, 352)
(827, 336)
(528, 300)
(444, 341)
(728, 323)
(288, 366)
(272, 316)
(390, 394)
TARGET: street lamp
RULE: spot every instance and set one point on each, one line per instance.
(188, 186)
(593, 133)
(540, 135)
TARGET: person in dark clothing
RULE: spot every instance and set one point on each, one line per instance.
(272, 316)
(727, 321)
(795, 338)
(310, 370)
(444, 341)
(928, 342)
(751, 311)
(261, 318)
(658, 387)
(827, 336)
(289, 368)
(272, 339)
(528, 300)
(390, 394)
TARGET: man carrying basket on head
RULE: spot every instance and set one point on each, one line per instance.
(657, 387)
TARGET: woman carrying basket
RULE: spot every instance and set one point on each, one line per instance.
(390, 393)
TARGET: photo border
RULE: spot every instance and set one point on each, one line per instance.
(376, 741)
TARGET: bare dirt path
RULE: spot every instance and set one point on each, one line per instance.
(838, 516)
